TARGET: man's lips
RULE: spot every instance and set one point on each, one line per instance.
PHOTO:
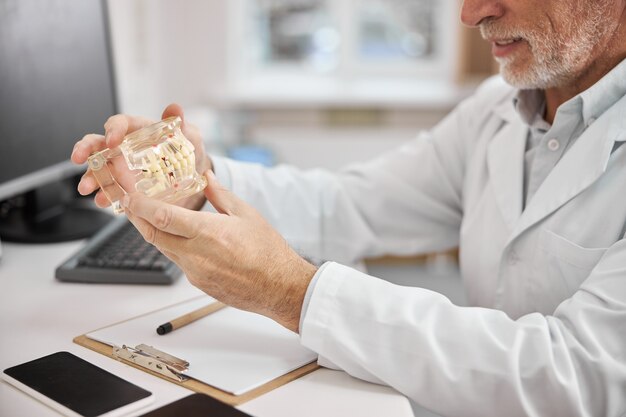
(502, 47)
(504, 42)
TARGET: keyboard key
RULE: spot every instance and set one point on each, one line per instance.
(160, 264)
(129, 263)
(144, 263)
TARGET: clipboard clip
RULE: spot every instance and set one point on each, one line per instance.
(153, 359)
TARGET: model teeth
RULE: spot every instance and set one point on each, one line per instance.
(161, 159)
(172, 161)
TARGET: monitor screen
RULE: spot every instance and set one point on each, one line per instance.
(56, 84)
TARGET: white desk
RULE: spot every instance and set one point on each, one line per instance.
(39, 316)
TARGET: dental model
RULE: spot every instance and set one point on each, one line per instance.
(157, 161)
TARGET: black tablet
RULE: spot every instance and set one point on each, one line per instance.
(76, 387)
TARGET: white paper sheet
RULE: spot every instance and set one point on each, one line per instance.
(231, 349)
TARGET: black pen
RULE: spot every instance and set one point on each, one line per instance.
(185, 319)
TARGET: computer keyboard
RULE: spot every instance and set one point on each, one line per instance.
(118, 254)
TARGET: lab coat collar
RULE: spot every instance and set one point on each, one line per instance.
(602, 95)
(505, 161)
(506, 110)
(580, 167)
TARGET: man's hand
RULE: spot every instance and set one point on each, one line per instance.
(119, 126)
(233, 255)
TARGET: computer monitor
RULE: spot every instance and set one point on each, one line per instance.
(56, 84)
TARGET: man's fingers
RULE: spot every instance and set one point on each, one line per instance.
(173, 110)
(86, 146)
(118, 126)
(221, 199)
(190, 131)
(87, 184)
(101, 200)
(169, 218)
(168, 244)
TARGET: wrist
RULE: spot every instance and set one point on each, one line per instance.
(288, 306)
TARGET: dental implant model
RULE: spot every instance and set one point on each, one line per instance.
(157, 161)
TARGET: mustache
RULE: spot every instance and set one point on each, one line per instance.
(494, 30)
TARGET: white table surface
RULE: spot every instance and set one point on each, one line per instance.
(39, 316)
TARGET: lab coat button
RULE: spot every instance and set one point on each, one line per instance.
(553, 144)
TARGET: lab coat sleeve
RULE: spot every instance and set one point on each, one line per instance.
(406, 201)
(469, 361)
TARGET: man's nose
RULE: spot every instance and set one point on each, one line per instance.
(473, 12)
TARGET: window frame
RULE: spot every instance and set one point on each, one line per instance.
(351, 80)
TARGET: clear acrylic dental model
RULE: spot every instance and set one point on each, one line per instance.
(157, 161)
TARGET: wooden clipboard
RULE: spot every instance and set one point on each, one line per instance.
(200, 386)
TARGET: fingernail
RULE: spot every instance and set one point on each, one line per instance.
(126, 201)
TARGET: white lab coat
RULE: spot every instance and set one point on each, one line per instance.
(546, 333)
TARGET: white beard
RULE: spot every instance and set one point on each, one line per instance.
(557, 57)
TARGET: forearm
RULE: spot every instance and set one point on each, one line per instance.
(325, 216)
(308, 208)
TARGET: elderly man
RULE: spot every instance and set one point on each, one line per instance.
(528, 177)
